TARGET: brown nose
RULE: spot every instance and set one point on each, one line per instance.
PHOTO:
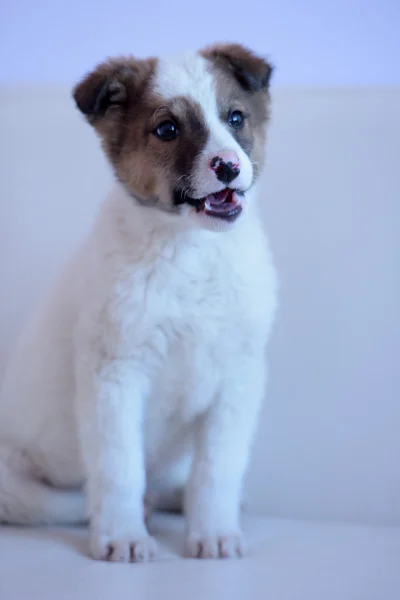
(225, 170)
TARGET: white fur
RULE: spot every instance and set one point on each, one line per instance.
(144, 368)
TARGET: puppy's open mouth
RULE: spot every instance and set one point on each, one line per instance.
(225, 204)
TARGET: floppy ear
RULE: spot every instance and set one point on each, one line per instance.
(108, 86)
(251, 71)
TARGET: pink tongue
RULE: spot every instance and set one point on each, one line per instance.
(219, 197)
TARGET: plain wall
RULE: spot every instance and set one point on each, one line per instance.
(312, 42)
(329, 443)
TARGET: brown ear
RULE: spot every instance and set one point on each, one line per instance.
(252, 72)
(107, 86)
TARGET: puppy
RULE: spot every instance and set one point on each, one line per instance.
(143, 373)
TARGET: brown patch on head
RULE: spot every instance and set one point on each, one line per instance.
(242, 82)
(115, 100)
(118, 99)
(251, 71)
(174, 160)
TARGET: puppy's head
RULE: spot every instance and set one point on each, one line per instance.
(185, 135)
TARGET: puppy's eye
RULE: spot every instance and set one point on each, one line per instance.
(166, 131)
(236, 119)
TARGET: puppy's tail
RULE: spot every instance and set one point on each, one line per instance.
(25, 500)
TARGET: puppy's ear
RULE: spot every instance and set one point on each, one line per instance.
(251, 71)
(110, 86)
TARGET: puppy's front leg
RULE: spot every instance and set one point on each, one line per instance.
(109, 411)
(223, 441)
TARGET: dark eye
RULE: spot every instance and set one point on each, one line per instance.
(236, 119)
(166, 131)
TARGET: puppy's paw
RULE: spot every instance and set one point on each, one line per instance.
(218, 546)
(124, 549)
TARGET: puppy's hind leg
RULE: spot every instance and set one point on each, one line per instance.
(26, 500)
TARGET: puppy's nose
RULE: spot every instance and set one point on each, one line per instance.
(226, 166)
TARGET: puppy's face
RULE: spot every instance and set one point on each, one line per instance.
(187, 135)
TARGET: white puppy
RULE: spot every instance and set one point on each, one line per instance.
(145, 369)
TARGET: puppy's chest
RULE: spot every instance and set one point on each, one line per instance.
(194, 304)
(201, 306)
(199, 293)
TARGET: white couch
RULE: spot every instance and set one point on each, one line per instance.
(328, 447)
